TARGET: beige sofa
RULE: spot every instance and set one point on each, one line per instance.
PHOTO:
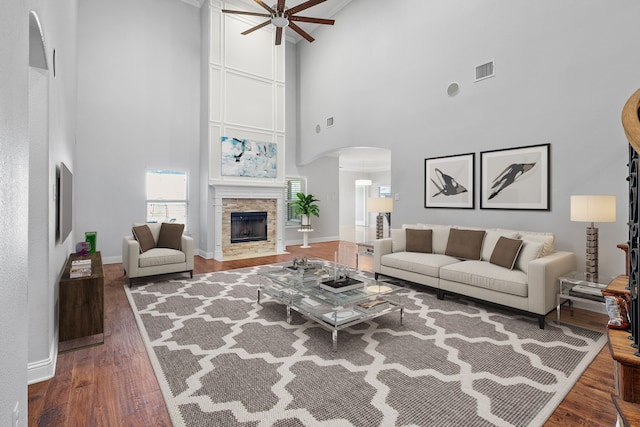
(529, 284)
(156, 260)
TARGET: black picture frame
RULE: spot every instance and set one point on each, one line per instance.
(516, 178)
(449, 182)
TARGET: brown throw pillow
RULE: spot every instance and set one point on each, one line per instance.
(170, 236)
(506, 252)
(418, 240)
(465, 244)
(143, 235)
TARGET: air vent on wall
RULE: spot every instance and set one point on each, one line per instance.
(485, 71)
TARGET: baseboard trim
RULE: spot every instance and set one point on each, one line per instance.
(45, 369)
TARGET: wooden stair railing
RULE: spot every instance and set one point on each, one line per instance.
(630, 120)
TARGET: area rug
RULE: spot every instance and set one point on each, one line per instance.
(222, 359)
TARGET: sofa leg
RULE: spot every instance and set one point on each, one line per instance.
(440, 294)
(541, 321)
(191, 273)
(376, 276)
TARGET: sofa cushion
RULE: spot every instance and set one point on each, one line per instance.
(506, 252)
(439, 238)
(465, 244)
(143, 235)
(170, 236)
(486, 275)
(490, 240)
(418, 240)
(530, 250)
(161, 256)
(547, 239)
(398, 240)
(421, 263)
(539, 236)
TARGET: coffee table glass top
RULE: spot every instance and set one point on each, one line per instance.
(291, 283)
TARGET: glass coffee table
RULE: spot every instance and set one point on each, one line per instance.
(305, 290)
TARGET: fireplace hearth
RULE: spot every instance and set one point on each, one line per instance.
(248, 226)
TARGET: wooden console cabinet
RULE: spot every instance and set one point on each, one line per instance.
(626, 366)
(81, 306)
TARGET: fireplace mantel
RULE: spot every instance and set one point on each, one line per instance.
(222, 192)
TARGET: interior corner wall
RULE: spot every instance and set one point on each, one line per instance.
(138, 109)
(14, 157)
(388, 89)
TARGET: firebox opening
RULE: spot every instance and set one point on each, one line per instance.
(248, 226)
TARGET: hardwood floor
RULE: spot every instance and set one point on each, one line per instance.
(113, 384)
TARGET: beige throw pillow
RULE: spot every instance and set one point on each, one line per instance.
(419, 240)
(530, 250)
(398, 240)
(143, 235)
(465, 244)
(170, 236)
(506, 252)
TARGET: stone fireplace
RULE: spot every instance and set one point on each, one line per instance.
(258, 212)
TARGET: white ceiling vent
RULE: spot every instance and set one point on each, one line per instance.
(485, 71)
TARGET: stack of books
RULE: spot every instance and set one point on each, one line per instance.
(80, 268)
(341, 285)
(372, 305)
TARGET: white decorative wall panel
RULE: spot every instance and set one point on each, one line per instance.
(215, 56)
(214, 151)
(248, 102)
(252, 53)
(279, 108)
(279, 62)
(215, 94)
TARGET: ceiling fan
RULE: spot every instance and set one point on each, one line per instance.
(281, 16)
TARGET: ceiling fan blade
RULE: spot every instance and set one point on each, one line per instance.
(300, 31)
(278, 36)
(280, 5)
(263, 4)
(303, 6)
(240, 12)
(257, 27)
(312, 20)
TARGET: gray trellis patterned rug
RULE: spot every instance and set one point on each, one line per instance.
(223, 360)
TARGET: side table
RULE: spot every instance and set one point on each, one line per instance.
(364, 248)
(575, 286)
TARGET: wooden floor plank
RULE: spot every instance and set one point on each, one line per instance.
(113, 384)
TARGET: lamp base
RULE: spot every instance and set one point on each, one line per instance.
(379, 226)
(591, 255)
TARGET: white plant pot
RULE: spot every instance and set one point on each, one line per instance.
(305, 220)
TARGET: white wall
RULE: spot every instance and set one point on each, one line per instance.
(53, 132)
(14, 157)
(557, 81)
(138, 108)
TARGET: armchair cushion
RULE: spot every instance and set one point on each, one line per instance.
(143, 235)
(170, 236)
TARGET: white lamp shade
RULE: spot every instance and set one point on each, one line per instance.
(380, 204)
(593, 208)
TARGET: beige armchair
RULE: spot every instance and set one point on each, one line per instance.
(158, 249)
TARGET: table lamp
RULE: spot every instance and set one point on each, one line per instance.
(384, 207)
(593, 209)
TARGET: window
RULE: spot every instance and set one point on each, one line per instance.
(294, 186)
(167, 196)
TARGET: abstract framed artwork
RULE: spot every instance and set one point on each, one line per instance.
(515, 178)
(449, 182)
(242, 157)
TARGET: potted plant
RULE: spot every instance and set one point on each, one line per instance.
(305, 207)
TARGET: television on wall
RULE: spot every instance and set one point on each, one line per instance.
(65, 203)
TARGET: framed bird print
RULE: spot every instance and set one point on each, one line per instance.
(449, 182)
(515, 178)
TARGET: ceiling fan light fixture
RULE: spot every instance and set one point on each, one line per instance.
(280, 19)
